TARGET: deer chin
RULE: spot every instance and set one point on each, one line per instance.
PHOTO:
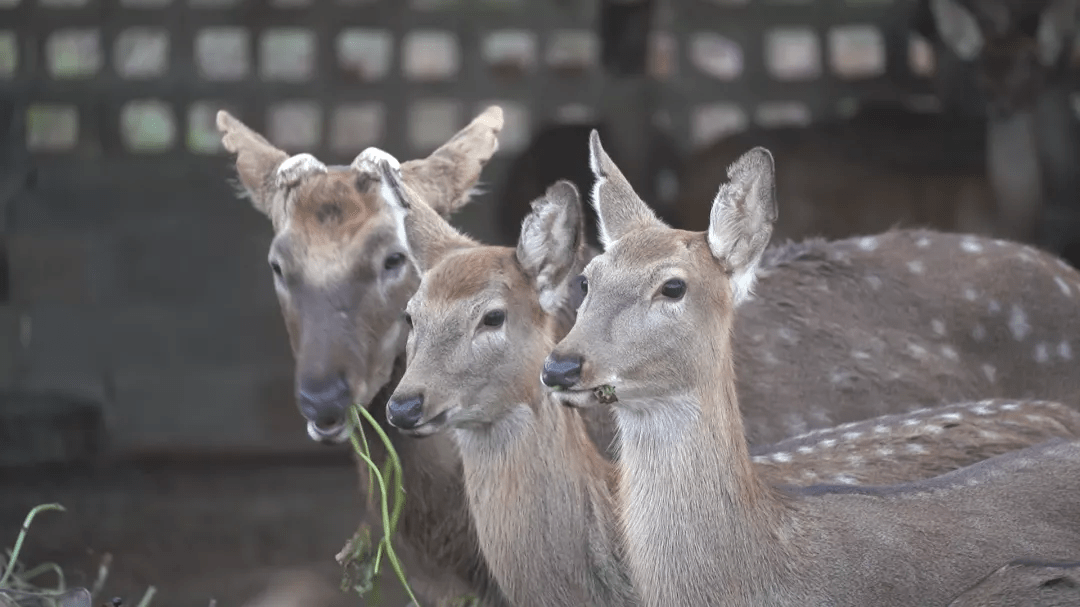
(433, 425)
(331, 435)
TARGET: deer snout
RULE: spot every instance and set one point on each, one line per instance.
(405, 412)
(562, 370)
(324, 401)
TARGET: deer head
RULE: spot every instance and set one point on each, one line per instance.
(656, 285)
(339, 259)
(480, 307)
(1015, 46)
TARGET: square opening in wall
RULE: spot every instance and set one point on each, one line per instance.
(921, 58)
(141, 52)
(61, 3)
(712, 121)
(365, 53)
(295, 125)
(9, 54)
(73, 53)
(662, 58)
(431, 122)
(357, 126)
(774, 114)
(222, 53)
(572, 51)
(510, 53)
(52, 127)
(792, 53)
(145, 4)
(716, 55)
(203, 136)
(430, 55)
(856, 51)
(287, 54)
(147, 126)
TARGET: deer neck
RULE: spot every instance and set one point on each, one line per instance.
(542, 501)
(689, 495)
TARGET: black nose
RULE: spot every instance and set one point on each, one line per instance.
(405, 412)
(324, 400)
(561, 371)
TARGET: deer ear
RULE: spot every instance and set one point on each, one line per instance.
(742, 217)
(426, 235)
(446, 178)
(957, 28)
(619, 209)
(264, 170)
(552, 240)
(1057, 26)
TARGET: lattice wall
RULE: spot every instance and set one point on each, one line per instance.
(145, 77)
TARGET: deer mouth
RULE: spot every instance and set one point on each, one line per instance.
(431, 426)
(328, 435)
(581, 398)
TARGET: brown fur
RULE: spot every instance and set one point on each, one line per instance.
(1025, 583)
(733, 538)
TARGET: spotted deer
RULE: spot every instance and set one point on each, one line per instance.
(483, 320)
(886, 338)
(701, 526)
(1025, 583)
(1009, 60)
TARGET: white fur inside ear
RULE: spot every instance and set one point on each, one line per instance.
(958, 28)
(594, 200)
(397, 206)
(742, 284)
(368, 160)
(294, 168)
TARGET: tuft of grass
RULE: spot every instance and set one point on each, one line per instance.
(361, 559)
(17, 581)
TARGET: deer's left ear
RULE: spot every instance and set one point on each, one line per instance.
(552, 240)
(742, 218)
(1057, 28)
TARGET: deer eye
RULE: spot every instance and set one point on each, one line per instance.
(582, 284)
(393, 260)
(494, 318)
(276, 267)
(408, 319)
(674, 288)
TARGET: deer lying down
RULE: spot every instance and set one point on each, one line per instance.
(1025, 583)
(483, 320)
(702, 527)
(885, 336)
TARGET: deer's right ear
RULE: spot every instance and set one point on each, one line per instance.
(618, 207)
(426, 235)
(446, 179)
(957, 28)
(742, 218)
(552, 240)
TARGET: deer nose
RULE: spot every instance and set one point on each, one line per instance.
(405, 412)
(324, 400)
(561, 371)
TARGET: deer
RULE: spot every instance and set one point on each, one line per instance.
(1025, 583)
(897, 340)
(1008, 60)
(652, 339)
(484, 318)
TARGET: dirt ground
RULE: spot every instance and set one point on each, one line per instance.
(245, 535)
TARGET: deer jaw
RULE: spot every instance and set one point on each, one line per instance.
(341, 270)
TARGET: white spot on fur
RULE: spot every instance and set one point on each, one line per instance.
(827, 443)
(923, 242)
(1010, 407)
(949, 353)
(1063, 286)
(916, 350)
(933, 429)
(915, 448)
(881, 429)
(294, 168)
(860, 355)
(989, 371)
(938, 326)
(1018, 323)
(970, 294)
(805, 449)
(786, 334)
(874, 282)
(868, 243)
(915, 267)
(844, 479)
(970, 245)
(781, 457)
(952, 416)
(1042, 353)
(994, 307)
(912, 422)
(981, 409)
(1065, 350)
(852, 435)
(979, 332)
(884, 452)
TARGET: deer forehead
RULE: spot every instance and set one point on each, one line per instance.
(652, 255)
(470, 277)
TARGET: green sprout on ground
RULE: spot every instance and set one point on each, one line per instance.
(360, 558)
(18, 581)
